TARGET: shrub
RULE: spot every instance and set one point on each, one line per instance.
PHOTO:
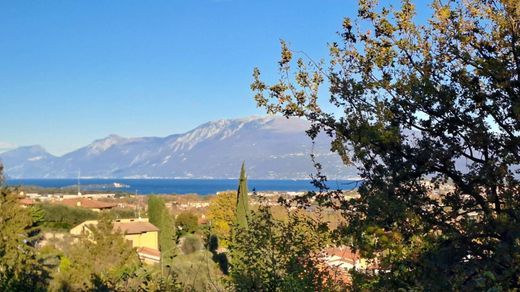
(187, 222)
(63, 217)
(197, 272)
(191, 244)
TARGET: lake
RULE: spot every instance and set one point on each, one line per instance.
(179, 186)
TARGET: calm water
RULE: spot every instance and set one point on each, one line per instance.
(178, 186)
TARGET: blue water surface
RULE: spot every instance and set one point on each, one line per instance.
(178, 186)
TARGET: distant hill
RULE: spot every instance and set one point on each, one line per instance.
(273, 148)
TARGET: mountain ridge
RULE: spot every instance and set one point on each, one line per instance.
(273, 148)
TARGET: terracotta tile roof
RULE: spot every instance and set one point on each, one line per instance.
(135, 227)
(27, 202)
(87, 203)
(343, 254)
(345, 257)
(149, 252)
(336, 274)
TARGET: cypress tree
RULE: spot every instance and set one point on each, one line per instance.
(2, 177)
(155, 208)
(242, 200)
(159, 216)
(167, 238)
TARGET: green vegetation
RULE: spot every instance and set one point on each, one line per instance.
(440, 101)
(242, 206)
(410, 102)
(167, 239)
(101, 260)
(21, 268)
(197, 272)
(273, 255)
(187, 222)
(159, 216)
(64, 217)
(104, 261)
(121, 213)
(155, 209)
(60, 217)
(221, 215)
(2, 177)
(191, 243)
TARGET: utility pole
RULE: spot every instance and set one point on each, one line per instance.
(79, 175)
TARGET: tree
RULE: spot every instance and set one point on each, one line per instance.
(197, 272)
(64, 217)
(101, 260)
(2, 177)
(155, 209)
(242, 206)
(167, 238)
(21, 269)
(159, 216)
(221, 214)
(191, 243)
(273, 255)
(187, 222)
(439, 101)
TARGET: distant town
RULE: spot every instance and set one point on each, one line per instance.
(270, 146)
(70, 214)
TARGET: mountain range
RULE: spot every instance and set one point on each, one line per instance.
(272, 147)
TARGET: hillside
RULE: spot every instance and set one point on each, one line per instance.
(273, 148)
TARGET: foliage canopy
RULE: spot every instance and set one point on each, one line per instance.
(21, 268)
(438, 100)
(102, 259)
(160, 216)
(273, 255)
(221, 214)
(187, 222)
(64, 217)
(242, 205)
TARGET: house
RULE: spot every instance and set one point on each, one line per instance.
(26, 202)
(149, 255)
(88, 203)
(143, 235)
(342, 257)
(346, 258)
(340, 260)
(141, 232)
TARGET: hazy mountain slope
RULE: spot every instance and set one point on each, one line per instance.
(273, 147)
(28, 161)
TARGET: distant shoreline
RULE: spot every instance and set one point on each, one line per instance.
(177, 186)
(174, 178)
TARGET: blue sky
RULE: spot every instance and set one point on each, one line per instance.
(75, 71)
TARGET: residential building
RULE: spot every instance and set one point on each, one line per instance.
(87, 203)
(143, 235)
